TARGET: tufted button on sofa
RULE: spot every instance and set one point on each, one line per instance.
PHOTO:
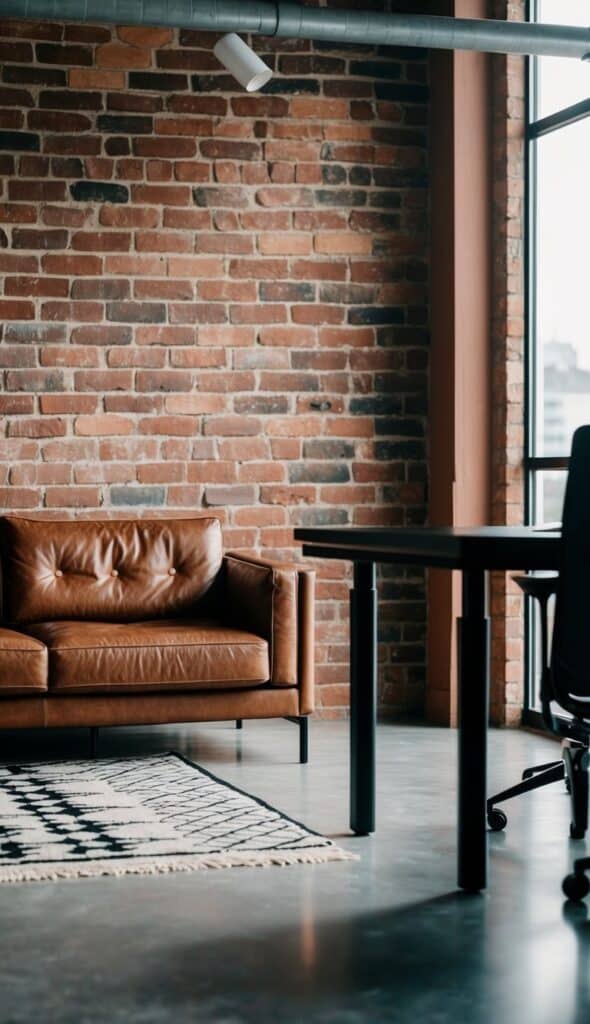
(147, 621)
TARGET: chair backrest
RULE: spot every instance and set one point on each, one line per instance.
(113, 570)
(570, 656)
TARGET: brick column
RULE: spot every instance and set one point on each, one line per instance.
(508, 343)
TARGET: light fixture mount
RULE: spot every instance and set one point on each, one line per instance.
(245, 65)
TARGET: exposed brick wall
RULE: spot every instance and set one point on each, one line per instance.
(508, 346)
(214, 300)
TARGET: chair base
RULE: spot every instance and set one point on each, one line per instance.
(573, 767)
(576, 885)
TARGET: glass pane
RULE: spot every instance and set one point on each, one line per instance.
(561, 81)
(549, 493)
(549, 489)
(562, 286)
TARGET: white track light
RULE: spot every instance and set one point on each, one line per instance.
(242, 62)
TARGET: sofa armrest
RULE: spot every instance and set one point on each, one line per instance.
(276, 601)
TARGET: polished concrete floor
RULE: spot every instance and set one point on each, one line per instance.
(387, 938)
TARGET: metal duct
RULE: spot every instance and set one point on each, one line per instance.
(292, 20)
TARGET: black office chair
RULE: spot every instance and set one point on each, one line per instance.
(565, 680)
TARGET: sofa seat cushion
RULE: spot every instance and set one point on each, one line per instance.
(23, 664)
(161, 654)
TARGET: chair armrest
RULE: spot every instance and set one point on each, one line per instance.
(276, 601)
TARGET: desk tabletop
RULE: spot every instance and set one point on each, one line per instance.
(483, 547)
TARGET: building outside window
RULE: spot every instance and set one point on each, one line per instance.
(558, 301)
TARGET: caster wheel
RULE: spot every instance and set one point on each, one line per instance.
(577, 833)
(497, 820)
(575, 887)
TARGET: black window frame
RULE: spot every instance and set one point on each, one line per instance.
(535, 129)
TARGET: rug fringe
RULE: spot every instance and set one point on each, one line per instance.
(117, 869)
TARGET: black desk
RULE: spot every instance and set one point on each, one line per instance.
(474, 551)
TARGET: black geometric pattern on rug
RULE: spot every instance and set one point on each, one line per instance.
(158, 806)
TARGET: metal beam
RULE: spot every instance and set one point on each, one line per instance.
(261, 17)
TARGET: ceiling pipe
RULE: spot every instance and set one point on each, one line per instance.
(290, 19)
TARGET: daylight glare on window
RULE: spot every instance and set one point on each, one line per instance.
(560, 193)
(561, 82)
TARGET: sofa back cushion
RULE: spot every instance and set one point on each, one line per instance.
(118, 571)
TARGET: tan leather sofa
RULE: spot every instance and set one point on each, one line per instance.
(145, 621)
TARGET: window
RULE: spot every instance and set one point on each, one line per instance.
(558, 198)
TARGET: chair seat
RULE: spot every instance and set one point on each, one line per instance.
(540, 585)
(23, 664)
(162, 654)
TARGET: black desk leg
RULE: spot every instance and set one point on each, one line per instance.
(473, 649)
(363, 695)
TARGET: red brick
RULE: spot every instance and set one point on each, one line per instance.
(169, 289)
(11, 309)
(192, 170)
(101, 241)
(159, 170)
(165, 335)
(182, 425)
(343, 242)
(186, 220)
(243, 449)
(162, 241)
(319, 270)
(16, 405)
(74, 265)
(227, 291)
(90, 312)
(59, 216)
(193, 126)
(197, 313)
(72, 497)
(66, 405)
(31, 286)
(57, 121)
(79, 145)
(68, 355)
(260, 268)
(12, 263)
(283, 197)
(93, 79)
(135, 265)
(225, 243)
(19, 497)
(285, 244)
(117, 55)
(269, 313)
(195, 405)
(103, 380)
(287, 336)
(41, 427)
(129, 216)
(17, 213)
(234, 426)
(198, 358)
(141, 35)
(168, 195)
(164, 147)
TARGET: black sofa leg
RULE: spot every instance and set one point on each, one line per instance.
(303, 739)
(303, 722)
(239, 723)
(93, 740)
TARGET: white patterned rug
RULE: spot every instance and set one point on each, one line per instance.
(139, 815)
